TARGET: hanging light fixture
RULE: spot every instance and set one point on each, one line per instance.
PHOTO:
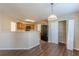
(52, 16)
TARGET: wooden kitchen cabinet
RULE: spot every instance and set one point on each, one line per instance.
(22, 26)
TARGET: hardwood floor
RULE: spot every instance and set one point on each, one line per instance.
(45, 49)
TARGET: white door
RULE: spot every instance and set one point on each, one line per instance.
(70, 34)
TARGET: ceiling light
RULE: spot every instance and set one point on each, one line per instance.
(52, 16)
(29, 20)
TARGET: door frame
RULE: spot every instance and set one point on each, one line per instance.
(59, 33)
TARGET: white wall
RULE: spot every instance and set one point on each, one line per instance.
(5, 22)
(6, 26)
(19, 40)
(6, 40)
(76, 32)
(70, 35)
(0, 24)
(53, 31)
(27, 39)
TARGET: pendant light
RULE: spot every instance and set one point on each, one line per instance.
(52, 16)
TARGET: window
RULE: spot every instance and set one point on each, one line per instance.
(39, 27)
(13, 26)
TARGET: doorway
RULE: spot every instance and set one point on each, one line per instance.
(62, 32)
(44, 32)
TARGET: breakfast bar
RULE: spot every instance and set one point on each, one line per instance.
(19, 40)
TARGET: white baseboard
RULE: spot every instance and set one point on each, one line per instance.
(52, 42)
(19, 48)
(14, 48)
(76, 49)
(49, 41)
(62, 42)
(34, 46)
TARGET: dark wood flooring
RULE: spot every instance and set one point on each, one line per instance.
(45, 49)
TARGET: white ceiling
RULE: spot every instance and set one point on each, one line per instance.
(65, 8)
(37, 11)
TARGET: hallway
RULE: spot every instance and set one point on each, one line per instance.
(45, 49)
